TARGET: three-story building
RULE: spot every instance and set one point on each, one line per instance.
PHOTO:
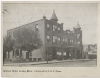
(57, 43)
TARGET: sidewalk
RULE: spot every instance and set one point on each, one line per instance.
(45, 62)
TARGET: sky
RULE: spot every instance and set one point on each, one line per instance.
(86, 14)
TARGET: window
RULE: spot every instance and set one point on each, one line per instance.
(48, 26)
(54, 38)
(63, 39)
(48, 38)
(58, 39)
(64, 53)
(78, 42)
(34, 59)
(36, 27)
(58, 53)
(30, 53)
(71, 41)
(91, 47)
(54, 27)
(39, 59)
(17, 52)
(59, 29)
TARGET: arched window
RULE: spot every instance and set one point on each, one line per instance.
(54, 27)
(36, 27)
(17, 52)
(48, 38)
(54, 38)
(59, 29)
(48, 26)
(59, 39)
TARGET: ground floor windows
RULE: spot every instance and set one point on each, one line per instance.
(34, 59)
(53, 53)
(54, 38)
(39, 59)
(17, 52)
(58, 53)
(30, 53)
(64, 53)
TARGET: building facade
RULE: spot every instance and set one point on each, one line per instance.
(57, 43)
(90, 51)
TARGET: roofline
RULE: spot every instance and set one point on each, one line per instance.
(24, 24)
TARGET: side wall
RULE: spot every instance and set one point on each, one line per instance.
(39, 53)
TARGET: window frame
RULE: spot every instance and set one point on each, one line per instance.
(59, 39)
(54, 38)
(59, 29)
(36, 27)
(30, 54)
(17, 52)
(48, 26)
(48, 38)
(54, 27)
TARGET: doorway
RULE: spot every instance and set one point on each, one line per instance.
(27, 55)
(54, 53)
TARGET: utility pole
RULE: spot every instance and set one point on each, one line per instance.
(47, 56)
(83, 55)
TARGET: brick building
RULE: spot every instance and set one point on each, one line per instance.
(57, 43)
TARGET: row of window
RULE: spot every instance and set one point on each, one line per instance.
(71, 41)
(55, 39)
(55, 28)
(48, 27)
(66, 40)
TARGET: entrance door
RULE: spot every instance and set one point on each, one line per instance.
(27, 55)
(67, 53)
(78, 54)
(54, 53)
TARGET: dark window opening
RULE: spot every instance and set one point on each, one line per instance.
(34, 59)
(17, 52)
(30, 53)
(39, 59)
